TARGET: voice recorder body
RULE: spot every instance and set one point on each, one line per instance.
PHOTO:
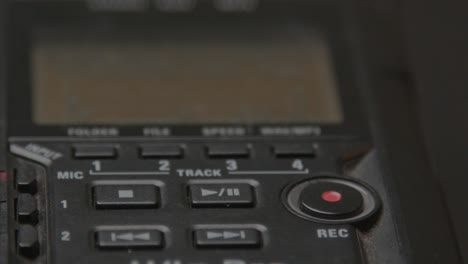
(190, 132)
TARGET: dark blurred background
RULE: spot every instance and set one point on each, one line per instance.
(436, 37)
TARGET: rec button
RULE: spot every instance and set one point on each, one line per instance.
(330, 200)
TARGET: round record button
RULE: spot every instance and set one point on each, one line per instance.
(331, 196)
(330, 200)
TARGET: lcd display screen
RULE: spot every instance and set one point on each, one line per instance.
(195, 73)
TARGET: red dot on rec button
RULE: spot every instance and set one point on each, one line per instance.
(331, 196)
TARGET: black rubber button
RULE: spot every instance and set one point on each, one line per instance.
(122, 239)
(222, 195)
(227, 237)
(330, 200)
(161, 151)
(95, 151)
(26, 180)
(26, 209)
(27, 241)
(126, 196)
(294, 150)
(228, 151)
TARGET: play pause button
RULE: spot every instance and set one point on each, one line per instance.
(144, 238)
(242, 237)
(221, 195)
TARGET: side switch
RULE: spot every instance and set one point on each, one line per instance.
(26, 209)
(26, 180)
(27, 241)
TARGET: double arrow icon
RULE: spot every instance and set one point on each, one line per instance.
(130, 236)
(225, 235)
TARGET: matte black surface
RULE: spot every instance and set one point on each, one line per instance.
(437, 39)
(425, 231)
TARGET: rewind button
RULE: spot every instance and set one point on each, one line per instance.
(144, 238)
(242, 237)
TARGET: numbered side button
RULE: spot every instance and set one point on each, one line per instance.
(126, 196)
(26, 209)
(227, 237)
(135, 239)
(26, 179)
(222, 195)
(27, 241)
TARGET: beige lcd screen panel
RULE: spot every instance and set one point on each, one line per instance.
(184, 74)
